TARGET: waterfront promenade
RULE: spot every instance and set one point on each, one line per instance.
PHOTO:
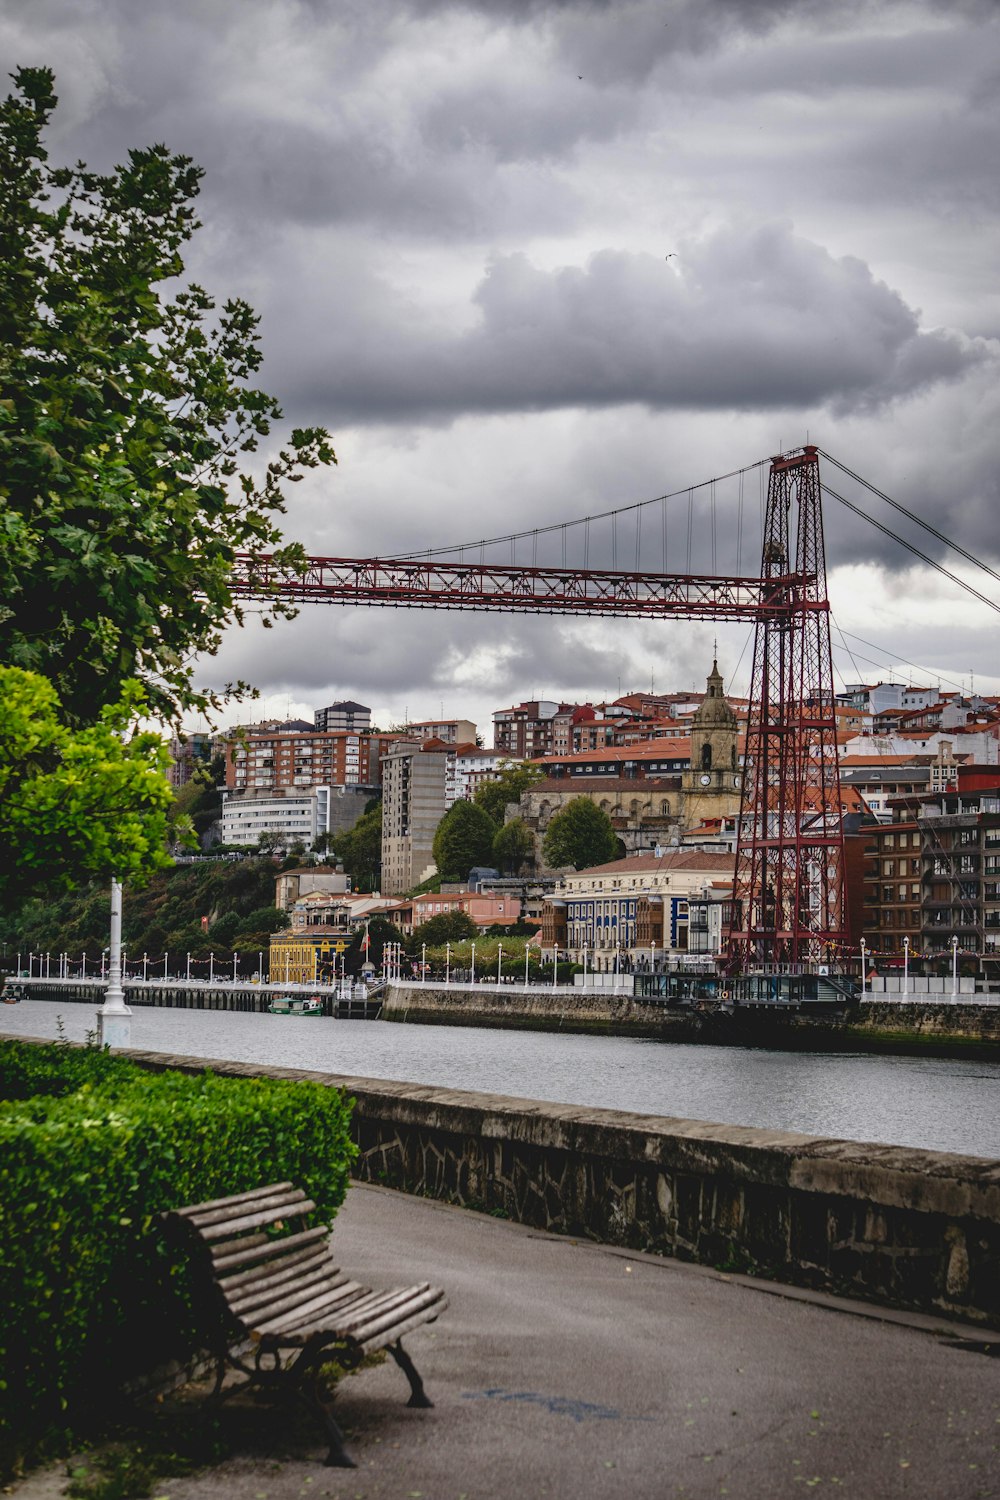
(571, 1370)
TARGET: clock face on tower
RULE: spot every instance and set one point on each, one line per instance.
(706, 779)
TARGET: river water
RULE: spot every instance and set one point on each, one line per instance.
(942, 1105)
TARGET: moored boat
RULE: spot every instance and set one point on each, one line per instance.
(295, 1005)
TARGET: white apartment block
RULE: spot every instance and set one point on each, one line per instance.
(295, 816)
(467, 768)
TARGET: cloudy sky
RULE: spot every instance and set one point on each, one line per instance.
(532, 260)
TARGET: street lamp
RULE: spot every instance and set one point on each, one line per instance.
(211, 965)
(906, 969)
(114, 1019)
(187, 972)
(447, 963)
(423, 962)
(585, 966)
(652, 955)
(555, 965)
(473, 980)
(235, 958)
(499, 957)
(864, 954)
(954, 968)
(526, 965)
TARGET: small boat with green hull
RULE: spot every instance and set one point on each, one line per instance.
(295, 1005)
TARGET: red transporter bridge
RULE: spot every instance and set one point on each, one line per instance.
(788, 910)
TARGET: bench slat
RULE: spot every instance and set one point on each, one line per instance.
(259, 1246)
(367, 1328)
(197, 1208)
(297, 1311)
(292, 1200)
(278, 1298)
(380, 1341)
(234, 1285)
(364, 1300)
(254, 1220)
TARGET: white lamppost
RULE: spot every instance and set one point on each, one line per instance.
(114, 1019)
(423, 962)
(235, 960)
(555, 965)
(187, 971)
(906, 969)
(499, 958)
(145, 967)
(864, 954)
(211, 966)
(260, 967)
(447, 963)
(473, 963)
(165, 957)
(954, 968)
(526, 966)
(652, 955)
(104, 963)
(585, 966)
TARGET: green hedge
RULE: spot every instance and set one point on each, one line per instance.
(92, 1148)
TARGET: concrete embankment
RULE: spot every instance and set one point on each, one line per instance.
(906, 1228)
(923, 1028)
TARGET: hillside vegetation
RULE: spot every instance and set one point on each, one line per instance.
(165, 917)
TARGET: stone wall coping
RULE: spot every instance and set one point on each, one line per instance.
(929, 1181)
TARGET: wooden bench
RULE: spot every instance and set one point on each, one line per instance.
(281, 1308)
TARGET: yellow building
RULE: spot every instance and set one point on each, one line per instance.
(304, 957)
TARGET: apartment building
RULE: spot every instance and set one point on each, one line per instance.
(468, 766)
(450, 731)
(269, 760)
(531, 729)
(293, 816)
(635, 909)
(189, 751)
(352, 718)
(414, 782)
(933, 874)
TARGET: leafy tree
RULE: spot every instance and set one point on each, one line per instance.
(446, 927)
(266, 918)
(359, 850)
(380, 932)
(514, 779)
(75, 803)
(128, 426)
(581, 835)
(513, 845)
(464, 838)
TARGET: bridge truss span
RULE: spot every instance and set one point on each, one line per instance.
(435, 584)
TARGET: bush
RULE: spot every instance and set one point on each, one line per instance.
(92, 1149)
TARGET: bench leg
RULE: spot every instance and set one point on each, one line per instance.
(338, 1457)
(418, 1396)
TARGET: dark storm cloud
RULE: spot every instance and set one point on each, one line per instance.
(752, 319)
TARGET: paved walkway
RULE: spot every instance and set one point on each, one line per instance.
(568, 1370)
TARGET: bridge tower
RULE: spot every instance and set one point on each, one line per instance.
(789, 904)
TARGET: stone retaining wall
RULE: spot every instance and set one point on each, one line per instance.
(912, 1229)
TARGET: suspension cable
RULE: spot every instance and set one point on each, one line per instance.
(603, 515)
(910, 516)
(938, 567)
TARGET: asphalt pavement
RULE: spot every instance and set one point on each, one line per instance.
(569, 1370)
